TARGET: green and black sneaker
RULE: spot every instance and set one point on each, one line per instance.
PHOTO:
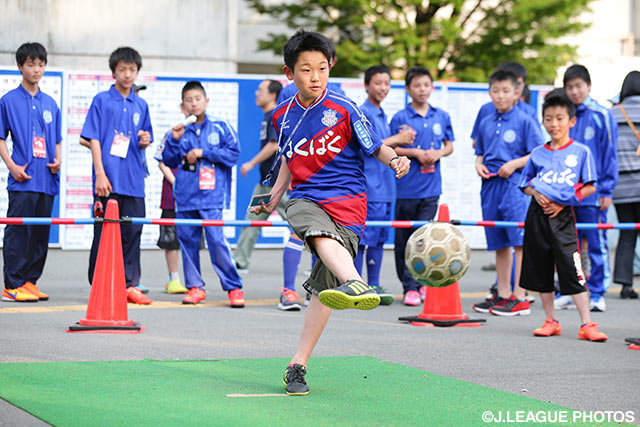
(386, 298)
(353, 294)
(293, 380)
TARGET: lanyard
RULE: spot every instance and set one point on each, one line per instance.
(267, 180)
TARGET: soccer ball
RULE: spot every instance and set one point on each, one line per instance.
(437, 254)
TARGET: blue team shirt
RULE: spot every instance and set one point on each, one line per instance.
(488, 109)
(380, 178)
(559, 174)
(507, 136)
(24, 116)
(289, 90)
(600, 133)
(109, 113)
(220, 152)
(326, 154)
(432, 130)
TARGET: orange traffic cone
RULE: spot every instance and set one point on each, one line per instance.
(107, 309)
(442, 306)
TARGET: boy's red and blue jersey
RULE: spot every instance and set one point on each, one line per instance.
(507, 136)
(488, 109)
(28, 117)
(111, 113)
(381, 180)
(220, 152)
(600, 134)
(324, 146)
(432, 130)
(559, 174)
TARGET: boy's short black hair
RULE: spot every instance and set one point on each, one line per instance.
(515, 67)
(372, 71)
(274, 87)
(414, 72)
(191, 85)
(31, 50)
(503, 75)
(558, 98)
(305, 41)
(124, 54)
(576, 71)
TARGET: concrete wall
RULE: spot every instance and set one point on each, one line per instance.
(197, 36)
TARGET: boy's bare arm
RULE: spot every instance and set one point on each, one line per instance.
(18, 172)
(281, 185)
(84, 143)
(400, 138)
(103, 185)
(389, 156)
(167, 173)
(587, 190)
(507, 169)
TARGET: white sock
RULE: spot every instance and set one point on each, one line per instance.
(174, 276)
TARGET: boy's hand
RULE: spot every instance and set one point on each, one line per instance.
(177, 131)
(405, 137)
(400, 166)
(432, 156)
(19, 172)
(55, 166)
(144, 138)
(246, 168)
(506, 170)
(541, 199)
(194, 155)
(264, 208)
(103, 185)
(605, 202)
(482, 171)
(552, 209)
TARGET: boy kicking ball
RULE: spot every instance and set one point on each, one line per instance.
(558, 176)
(324, 138)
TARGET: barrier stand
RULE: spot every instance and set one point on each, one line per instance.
(442, 306)
(107, 309)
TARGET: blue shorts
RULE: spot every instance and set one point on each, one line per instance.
(503, 201)
(376, 236)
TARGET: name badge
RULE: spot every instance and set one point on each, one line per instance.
(207, 178)
(119, 146)
(428, 169)
(39, 147)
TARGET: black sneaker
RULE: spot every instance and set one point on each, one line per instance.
(353, 294)
(484, 306)
(627, 292)
(493, 292)
(386, 298)
(293, 380)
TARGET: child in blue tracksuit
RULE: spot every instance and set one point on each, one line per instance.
(204, 153)
(597, 129)
(33, 120)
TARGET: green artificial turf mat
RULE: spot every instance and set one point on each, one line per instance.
(344, 391)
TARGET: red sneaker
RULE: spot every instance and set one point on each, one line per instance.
(548, 328)
(236, 298)
(511, 306)
(423, 293)
(194, 296)
(136, 297)
(30, 287)
(589, 331)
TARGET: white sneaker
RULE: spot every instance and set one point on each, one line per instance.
(563, 302)
(597, 303)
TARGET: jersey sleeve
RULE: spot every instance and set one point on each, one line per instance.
(91, 127)
(58, 123)
(588, 171)
(363, 132)
(4, 120)
(476, 125)
(608, 178)
(272, 135)
(479, 142)
(146, 121)
(533, 135)
(528, 172)
(448, 129)
(227, 151)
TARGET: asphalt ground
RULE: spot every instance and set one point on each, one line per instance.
(502, 354)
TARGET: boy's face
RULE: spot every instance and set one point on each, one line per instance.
(557, 122)
(125, 74)
(194, 102)
(519, 88)
(577, 90)
(32, 70)
(503, 95)
(310, 74)
(378, 87)
(263, 96)
(420, 89)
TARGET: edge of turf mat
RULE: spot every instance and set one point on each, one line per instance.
(344, 391)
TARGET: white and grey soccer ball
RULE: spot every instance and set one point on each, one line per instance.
(437, 254)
